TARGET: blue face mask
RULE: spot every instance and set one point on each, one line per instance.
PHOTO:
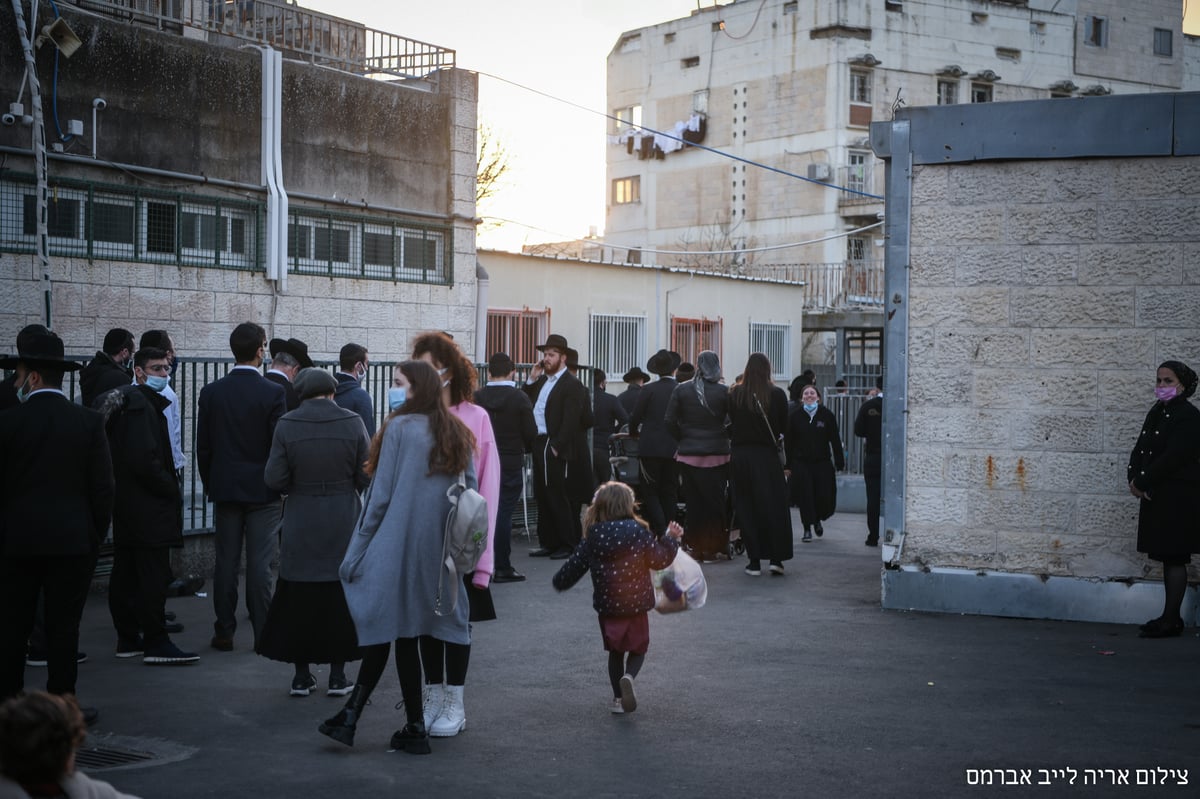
(157, 382)
(396, 397)
(810, 408)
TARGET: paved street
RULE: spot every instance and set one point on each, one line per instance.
(792, 686)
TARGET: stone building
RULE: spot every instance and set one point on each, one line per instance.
(1043, 258)
(195, 181)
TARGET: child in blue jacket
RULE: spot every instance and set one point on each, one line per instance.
(619, 550)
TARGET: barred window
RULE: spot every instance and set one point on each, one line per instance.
(690, 337)
(618, 342)
(517, 333)
(775, 342)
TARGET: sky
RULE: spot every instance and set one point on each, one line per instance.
(555, 183)
(556, 153)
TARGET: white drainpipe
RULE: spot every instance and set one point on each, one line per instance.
(481, 305)
(272, 167)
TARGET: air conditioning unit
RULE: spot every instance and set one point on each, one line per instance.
(819, 172)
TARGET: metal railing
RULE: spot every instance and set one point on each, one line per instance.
(859, 177)
(297, 32)
(831, 286)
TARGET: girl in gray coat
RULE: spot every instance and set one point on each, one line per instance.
(390, 572)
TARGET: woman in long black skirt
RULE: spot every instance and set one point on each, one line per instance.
(758, 419)
(316, 460)
(814, 447)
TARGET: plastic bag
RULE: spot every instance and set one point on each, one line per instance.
(680, 586)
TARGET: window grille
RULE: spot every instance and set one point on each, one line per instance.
(517, 332)
(618, 342)
(690, 337)
(774, 341)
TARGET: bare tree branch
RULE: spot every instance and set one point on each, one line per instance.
(492, 165)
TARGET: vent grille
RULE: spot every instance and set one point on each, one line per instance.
(102, 757)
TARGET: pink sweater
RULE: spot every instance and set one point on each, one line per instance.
(487, 471)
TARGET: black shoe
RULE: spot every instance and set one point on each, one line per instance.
(807, 538)
(169, 615)
(414, 739)
(302, 685)
(541, 552)
(507, 576)
(172, 627)
(90, 715)
(1163, 628)
(36, 658)
(872, 541)
(185, 586)
(342, 726)
(130, 647)
(818, 529)
(561, 554)
(167, 654)
(338, 685)
(1152, 623)
(221, 643)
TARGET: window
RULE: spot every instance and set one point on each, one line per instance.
(978, 18)
(857, 176)
(690, 337)
(774, 341)
(213, 234)
(62, 216)
(517, 333)
(857, 248)
(947, 92)
(322, 246)
(689, 62)
(1163, 42)
(668, 38)
(627, 190)
(860, 86)
(1095, 31)
(618, 342)
(1008, 53)
(160, 227)
(626, 118)
(790, 7)
(893, 5)
(700, 101)
(981, 92)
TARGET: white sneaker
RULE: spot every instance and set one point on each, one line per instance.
(628, 697)
(615, 706)
(776, 568)
(453, 718)
(433, 698)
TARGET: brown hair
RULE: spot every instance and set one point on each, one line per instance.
(612, 501)
(38, 734)
(463, 375)
(453, 442)
(756, 384)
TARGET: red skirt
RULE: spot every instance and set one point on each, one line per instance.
(625, 633)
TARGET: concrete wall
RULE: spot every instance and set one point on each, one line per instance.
(350, 144)
(1041, 293)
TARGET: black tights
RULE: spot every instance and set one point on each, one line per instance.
(444, 661)
(408, 669)
(1175, 583)
(335, 670)
(618, 667)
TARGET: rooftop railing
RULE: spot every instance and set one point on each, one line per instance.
(298, 32)
(830, 286)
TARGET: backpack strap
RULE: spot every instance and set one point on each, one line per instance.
(452, 493)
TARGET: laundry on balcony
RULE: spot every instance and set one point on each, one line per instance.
(648, 144)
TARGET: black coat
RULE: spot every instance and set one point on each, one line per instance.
(511, 413)
(747, 427)
(235, 422)
(103, 374)
(565, 414)
(1165, 463)
(699, 430)
(816, 439)
(290, 396)
(629, 398)
(148, 507)
(56, 479)
(610, 416)
(648, 420)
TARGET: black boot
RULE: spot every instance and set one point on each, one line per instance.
(341, 727)
(414, 739)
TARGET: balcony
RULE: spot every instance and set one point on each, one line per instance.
(859, 178)
(841, 286)
(297, 32)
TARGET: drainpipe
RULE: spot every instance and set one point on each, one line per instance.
(272, 167)
(39, 152)
(482, 284)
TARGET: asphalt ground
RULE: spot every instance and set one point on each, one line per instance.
(781, 686)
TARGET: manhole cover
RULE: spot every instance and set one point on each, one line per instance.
(99, 757)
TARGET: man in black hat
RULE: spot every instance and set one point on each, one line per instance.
(868, 425)
(288, 357)
(109, 369)
(610, 416)
(511, 413)
(56, 491)
(558, 413)
(634, 379)
(8, 386)
(656, 446)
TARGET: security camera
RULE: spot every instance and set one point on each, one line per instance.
(99, 104)
(8, 119)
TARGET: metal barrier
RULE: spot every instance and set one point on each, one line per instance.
(842, 284)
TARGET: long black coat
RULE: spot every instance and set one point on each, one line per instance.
(648, 420)
(565, 415)
(1165, 463)
(148, 508)
(811, 443)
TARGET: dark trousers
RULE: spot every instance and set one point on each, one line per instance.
(874, 480)
(256, 527)
(660, 491)
(137, 592)
(511, 483)
(601, 467)
(704, 493)
(555, 530)
(64, 581)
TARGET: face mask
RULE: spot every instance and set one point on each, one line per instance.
(810, 408)
(1165, 393)
(396, 397)
(360, 376)
(23, 390)
(157, 382)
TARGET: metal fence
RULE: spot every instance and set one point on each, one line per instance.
(842, 284)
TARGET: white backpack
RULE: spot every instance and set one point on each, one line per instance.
(464, 540)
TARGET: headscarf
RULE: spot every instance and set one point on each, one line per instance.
(708, 370)
(1187, 378)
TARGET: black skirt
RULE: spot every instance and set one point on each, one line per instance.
(309, 623)
(482, 606)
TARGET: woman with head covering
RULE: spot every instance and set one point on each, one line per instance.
(1164, 473)
(758, 419)
(695, 417)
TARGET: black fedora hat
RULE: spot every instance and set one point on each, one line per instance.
(554, 341)
(664, 362)
(635, 373)
(293, 347)
(572, 358)
(37, 348)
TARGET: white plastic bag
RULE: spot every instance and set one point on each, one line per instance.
(680, 586)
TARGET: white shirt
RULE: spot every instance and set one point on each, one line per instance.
(539, 407)
(281, 374)
(512, 383)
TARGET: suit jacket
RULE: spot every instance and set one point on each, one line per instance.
(648, 420)
(56, 479)
(512, 423)
(564, 414)
(235, 422)
(289, 391)
(610, 416)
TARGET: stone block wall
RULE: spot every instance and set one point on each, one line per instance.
(1042, 296)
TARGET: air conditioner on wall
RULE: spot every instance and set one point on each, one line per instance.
(819, 171)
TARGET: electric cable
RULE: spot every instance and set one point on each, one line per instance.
(753, 24)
